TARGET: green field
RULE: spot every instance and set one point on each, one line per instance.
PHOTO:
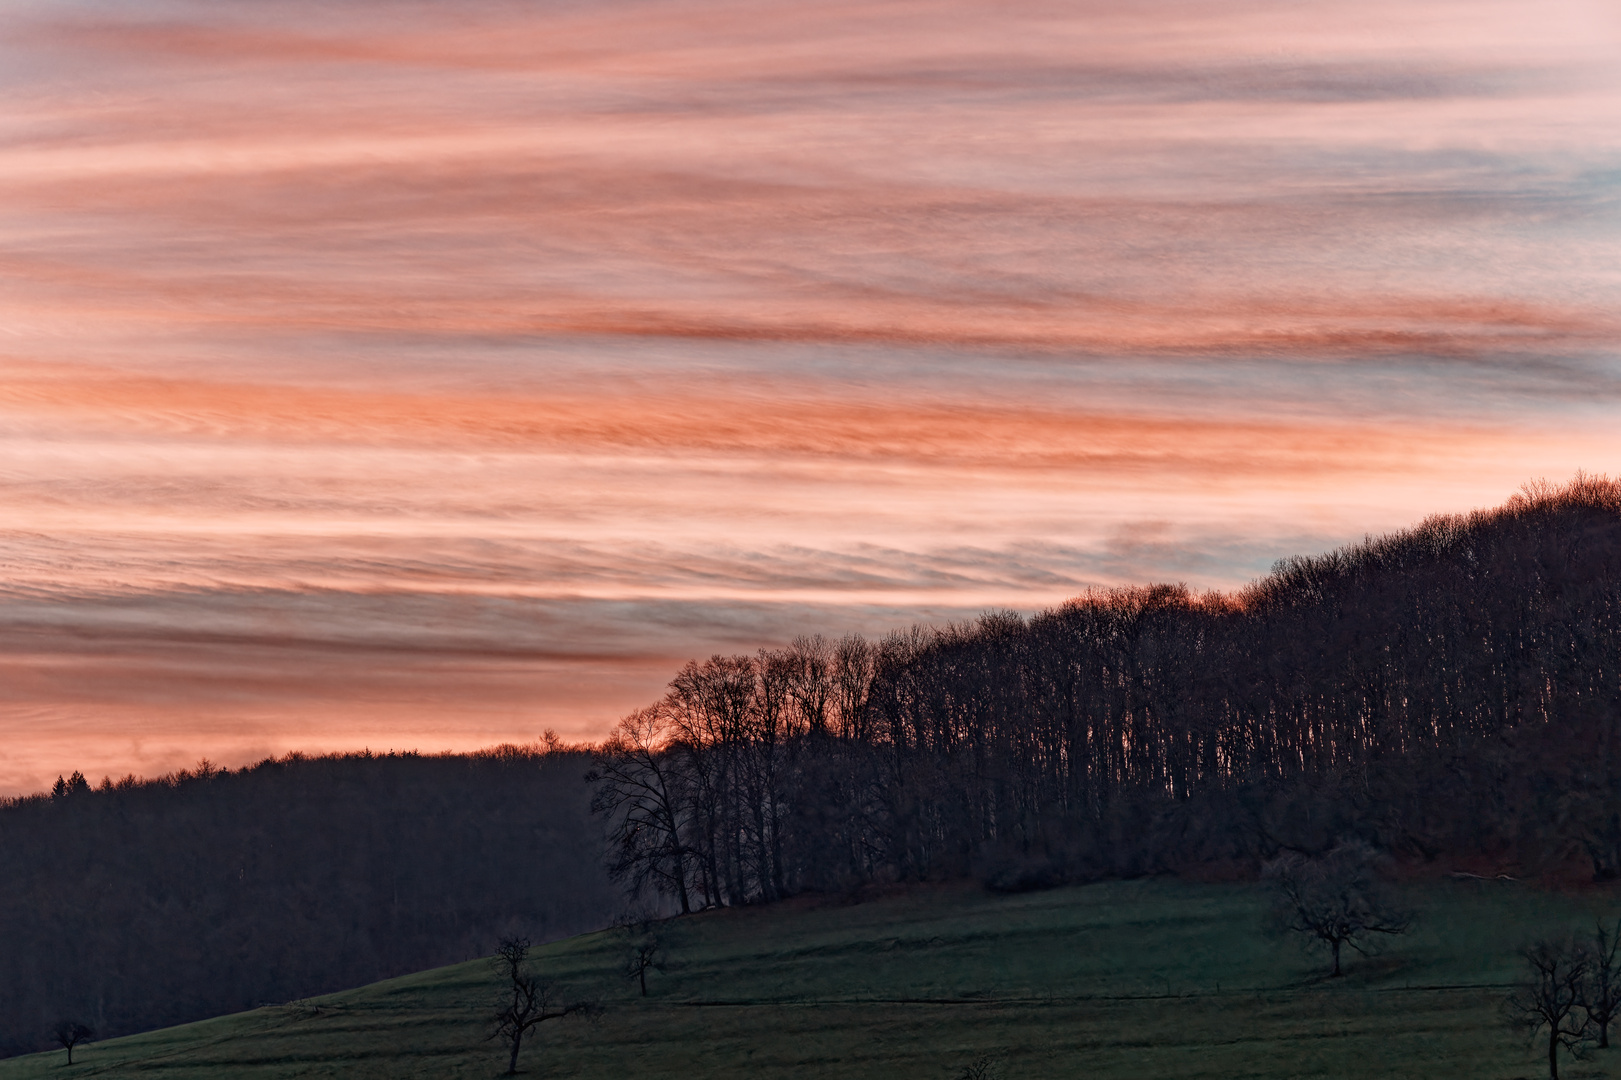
(1123, 979)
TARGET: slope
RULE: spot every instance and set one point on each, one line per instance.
(1141, 978)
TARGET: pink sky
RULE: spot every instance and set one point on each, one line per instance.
(428, 375)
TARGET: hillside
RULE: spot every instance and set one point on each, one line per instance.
(140, 904)
(1153, 978)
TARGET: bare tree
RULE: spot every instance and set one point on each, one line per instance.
(71, 1033)
(642, 790)
(646, 954)
(852, 679)
(1552, 997)
(532, 1003)
(1335, 899)
(811, 684)
(711, 704)
(1601, 993)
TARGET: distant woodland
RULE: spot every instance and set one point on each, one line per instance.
(1450, 695)
(147, 903)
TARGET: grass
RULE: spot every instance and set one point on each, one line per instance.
(1122, 979)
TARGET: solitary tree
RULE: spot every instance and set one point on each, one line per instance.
(1552, 997)
(1335, 899)
(646, 953)
(71, 1033)
(532, 1002)
(1601, 993)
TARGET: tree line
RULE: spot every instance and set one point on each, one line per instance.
(1448, 691)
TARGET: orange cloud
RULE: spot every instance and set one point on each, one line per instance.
(769, 421)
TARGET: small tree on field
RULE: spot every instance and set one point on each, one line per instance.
(1552, 997)
(71, 1033)
(1601, 993)
(1335, 900)
(532, 1002)
(646, 953)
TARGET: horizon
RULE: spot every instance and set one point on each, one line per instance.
(426, 377)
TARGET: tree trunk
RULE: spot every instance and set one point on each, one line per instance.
(1553, 1053)
(512, 1063)
(1336, 944)
(762, 849)
(777, 882)
(681, 875)
(1604, 1035)
(643, 974)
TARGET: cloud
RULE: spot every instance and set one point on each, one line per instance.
(376, 370)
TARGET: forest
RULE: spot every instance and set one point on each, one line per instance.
(1448, 695)
(131, 905)
(1450, 692)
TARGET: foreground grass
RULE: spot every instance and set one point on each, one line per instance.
(1140, 979)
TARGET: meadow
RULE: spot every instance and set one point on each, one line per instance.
(1147, 978)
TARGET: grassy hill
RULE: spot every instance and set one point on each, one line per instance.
(1141, 979)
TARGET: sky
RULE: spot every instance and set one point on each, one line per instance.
(428, 375)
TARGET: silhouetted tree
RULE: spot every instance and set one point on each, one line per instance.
(645, 793)
(1552, 997)
(71, 1033)
(1334, 899)
(532, 1002)
(1601, 992)
(73, 785)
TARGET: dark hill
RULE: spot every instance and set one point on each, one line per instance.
(142, 904)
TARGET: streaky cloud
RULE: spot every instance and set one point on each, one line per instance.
(422, 375)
